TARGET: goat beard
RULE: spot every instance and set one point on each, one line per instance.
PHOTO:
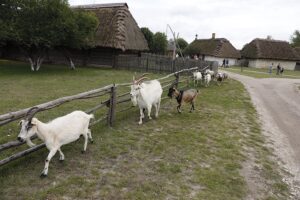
(29, 142)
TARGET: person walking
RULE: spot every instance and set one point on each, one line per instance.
(278, 69)
(223, 64)
(281, 70)
(270, 68)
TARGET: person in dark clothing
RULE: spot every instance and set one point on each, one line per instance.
(278, 69)
(223, 65)
(281, 70)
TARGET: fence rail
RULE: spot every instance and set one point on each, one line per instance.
(110, 103)
(158, 63)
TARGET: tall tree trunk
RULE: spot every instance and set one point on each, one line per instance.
(31, 63)
(68, 55)
(72, 64)
(39, 62)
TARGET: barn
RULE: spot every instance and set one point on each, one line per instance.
(261, 53)
(117, 34)
(213, 49)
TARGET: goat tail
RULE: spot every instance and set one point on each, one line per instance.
(92, 116)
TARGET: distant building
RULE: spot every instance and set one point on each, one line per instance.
(297, 67)
(213, 49)
(261, 53)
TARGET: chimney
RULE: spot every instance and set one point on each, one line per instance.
(213, 36)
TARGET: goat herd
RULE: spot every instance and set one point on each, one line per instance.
(69, 128)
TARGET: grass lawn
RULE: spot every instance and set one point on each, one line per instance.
(263, 73)
(199, 155)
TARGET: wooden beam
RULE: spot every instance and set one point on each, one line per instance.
(21, 154)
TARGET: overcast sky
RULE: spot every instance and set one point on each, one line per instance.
(239, 21)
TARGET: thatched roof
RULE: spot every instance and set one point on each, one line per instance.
(117, 28)
(269, 49)
(218, 47)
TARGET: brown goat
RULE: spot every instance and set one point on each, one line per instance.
(184, 96)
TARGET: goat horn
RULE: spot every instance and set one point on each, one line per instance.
(31, 112)
(141, 79)
(143, 75)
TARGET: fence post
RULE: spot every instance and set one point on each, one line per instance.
(147, 64)
(176, 79)
(112, 107)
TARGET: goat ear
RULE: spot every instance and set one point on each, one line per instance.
(34, 121)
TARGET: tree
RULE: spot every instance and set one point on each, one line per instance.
(295, 39)
(42, 25)
(81, 35)
(160, 43)
(8, 10)
(148, 36)
(182, 44)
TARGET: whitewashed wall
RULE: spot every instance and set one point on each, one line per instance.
(231, 61)
(263, 63)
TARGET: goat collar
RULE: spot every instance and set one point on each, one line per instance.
(179, 97)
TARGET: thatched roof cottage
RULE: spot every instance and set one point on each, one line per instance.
(213, 49)
(261, 53)
(117, 33)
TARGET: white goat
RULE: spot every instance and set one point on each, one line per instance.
(207, 79)
(197, 76)
(57, 132)
(212, 73)
(145, 95)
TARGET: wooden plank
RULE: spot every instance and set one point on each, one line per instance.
(21, 154)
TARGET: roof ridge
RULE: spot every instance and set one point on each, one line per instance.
(104, 5)
(269, 40)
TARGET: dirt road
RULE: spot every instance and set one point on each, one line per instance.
(278, 104)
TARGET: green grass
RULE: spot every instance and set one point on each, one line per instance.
(195, 155)
(263, 73)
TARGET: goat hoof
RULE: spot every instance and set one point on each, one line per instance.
(43, 175)
(83, 151)
(61, 161)
(92, 141)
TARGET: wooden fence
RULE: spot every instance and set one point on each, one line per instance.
(110, 104)
(158, 63)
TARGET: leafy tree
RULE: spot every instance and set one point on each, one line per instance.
(42, 25)
(148, 36)
(182, 44)
(295, 39)
(160, 43)
(8, 10)
(81, 35)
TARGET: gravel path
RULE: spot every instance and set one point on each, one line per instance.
(278, 104)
